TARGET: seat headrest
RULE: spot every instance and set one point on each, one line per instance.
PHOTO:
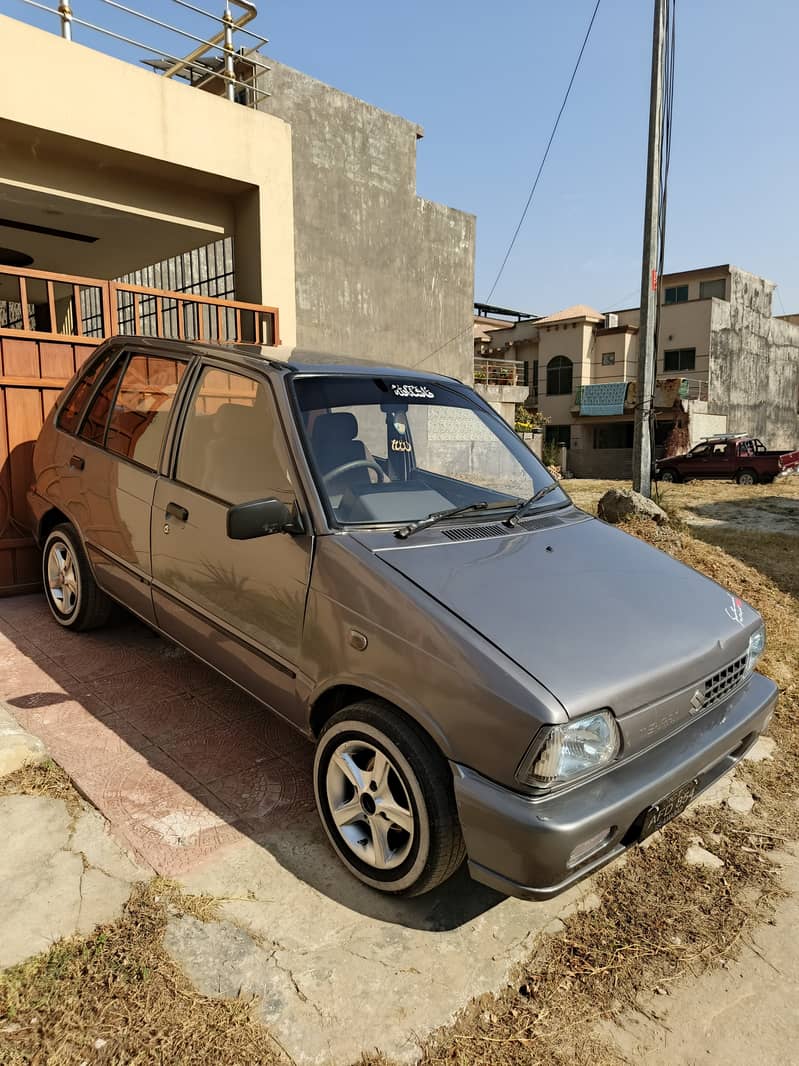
(233, 420)
(342, 426)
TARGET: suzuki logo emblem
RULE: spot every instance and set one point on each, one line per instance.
(697, 701)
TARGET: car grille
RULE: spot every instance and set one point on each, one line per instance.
(719, 685)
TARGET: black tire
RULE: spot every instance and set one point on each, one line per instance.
(747, 477)
(81, 604)
(433, 850)
(669, 477)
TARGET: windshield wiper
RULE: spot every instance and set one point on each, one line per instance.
(438, 516)
(513, 519)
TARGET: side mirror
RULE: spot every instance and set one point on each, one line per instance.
(260, 518)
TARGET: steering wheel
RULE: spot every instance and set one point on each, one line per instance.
(346, 467)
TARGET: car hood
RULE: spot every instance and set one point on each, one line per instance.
(599, 617)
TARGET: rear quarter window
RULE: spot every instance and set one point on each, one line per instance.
(69, 416)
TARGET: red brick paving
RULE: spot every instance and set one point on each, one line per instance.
(182, 763)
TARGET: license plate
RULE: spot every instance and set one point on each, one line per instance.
(662, 812)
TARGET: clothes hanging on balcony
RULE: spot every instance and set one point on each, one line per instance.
(605, 399)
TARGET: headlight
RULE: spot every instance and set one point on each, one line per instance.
(563, 752)
(757, 645)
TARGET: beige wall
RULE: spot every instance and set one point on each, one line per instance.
(130, 140)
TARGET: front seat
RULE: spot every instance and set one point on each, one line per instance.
(334, 441)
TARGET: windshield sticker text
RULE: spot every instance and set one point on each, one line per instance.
(415, 392)
(400, 446)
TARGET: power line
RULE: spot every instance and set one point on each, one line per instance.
(517, 231)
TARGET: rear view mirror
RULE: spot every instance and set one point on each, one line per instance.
(260, 518)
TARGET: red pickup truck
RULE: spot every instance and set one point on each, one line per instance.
(744, 459)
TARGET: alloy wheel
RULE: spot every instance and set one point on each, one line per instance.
(62, 578)
(370, 804)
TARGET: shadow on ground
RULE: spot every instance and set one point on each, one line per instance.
(184, 765)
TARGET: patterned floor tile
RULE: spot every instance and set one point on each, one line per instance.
(180, 761)
(167, 721)
(231, 746)
(135, 688)
(273, 790)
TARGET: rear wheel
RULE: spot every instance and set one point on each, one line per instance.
(669, 476)
(73, 596)
(746, 477)
(384, 794)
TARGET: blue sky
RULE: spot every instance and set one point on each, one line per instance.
(485, 81)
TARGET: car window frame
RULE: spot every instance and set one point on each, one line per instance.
(170, 462)
(122, 358)
(111, 354)
(316, 480)
(131, 353)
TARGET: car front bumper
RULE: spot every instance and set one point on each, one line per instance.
(521, 845)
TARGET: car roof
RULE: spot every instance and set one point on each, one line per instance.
(283, 358)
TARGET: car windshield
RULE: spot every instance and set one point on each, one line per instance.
(388, 451)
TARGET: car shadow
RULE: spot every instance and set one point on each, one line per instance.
(183, 764)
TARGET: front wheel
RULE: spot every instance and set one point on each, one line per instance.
(73, 596)
(746, 477)
(384, 794)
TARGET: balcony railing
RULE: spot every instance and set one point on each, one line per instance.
(35, 304)
(500, 372)
(220, 62)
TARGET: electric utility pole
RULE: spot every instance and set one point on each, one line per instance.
(642, 440)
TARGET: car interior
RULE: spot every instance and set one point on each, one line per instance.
(366, 488)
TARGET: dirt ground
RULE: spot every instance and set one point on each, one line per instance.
(714, 505)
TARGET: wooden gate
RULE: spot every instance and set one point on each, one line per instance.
(49, 324)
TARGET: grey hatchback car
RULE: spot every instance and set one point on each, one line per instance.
(487, 672)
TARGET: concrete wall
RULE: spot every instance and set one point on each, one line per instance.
(381, 273)
(700, 423)
(754, 364)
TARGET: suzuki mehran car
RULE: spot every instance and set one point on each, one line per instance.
(487, 672)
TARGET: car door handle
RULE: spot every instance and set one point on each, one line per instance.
(77, 462)
(174, 510)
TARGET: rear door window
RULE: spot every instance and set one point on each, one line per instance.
(141, 408)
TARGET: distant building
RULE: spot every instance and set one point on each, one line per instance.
(724, 364)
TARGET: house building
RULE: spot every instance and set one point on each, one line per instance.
(724, 364)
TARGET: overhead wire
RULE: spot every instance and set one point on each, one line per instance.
(533, 188)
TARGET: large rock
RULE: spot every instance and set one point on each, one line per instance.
(617, 505)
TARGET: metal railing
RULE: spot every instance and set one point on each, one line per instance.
(693, 389)
(500, 372)
(213, 63)
(35, 304)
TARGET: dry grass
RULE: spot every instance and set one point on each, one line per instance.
(43, 779)
(116, 997)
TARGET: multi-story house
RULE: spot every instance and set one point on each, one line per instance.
(724, 364)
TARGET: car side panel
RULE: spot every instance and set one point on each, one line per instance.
(108, 501)
(479, 707)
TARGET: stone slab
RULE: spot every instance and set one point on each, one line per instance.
(48, 887)
(341, 969)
